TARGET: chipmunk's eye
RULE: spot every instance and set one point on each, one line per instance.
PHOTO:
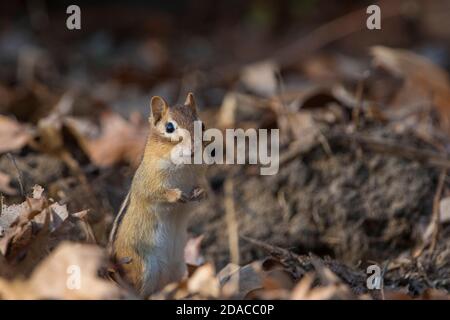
(170, 127)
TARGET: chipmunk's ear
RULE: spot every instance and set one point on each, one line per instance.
(190, 102)
(158, 108)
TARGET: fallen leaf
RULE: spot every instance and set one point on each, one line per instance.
(5, 186)
(302, 289)
(261, 78)
(444, 210)
(305, 290)
(204, 282)
(37, 191)
(424, 81)
(192, 254)
(305, 130)
(238, 281)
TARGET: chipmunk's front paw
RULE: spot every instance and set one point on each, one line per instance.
(197, 194)
(176, 195)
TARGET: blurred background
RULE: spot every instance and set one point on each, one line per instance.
(145, 47)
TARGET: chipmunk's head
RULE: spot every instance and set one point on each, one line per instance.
(172, 131)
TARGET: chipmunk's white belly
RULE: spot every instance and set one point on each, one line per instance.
(166, 262)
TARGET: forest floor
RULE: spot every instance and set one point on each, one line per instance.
(362, 179)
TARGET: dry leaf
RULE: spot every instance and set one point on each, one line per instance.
(444, 210)
(119, 140)
(204, 282)
(245, 110)
(50, 133)
(424, 81)
(305, 130)
(261, 78)
(37, 191)
(304, 290)
(29, 227)
(192, 255)
(5, 186)
(238, 281)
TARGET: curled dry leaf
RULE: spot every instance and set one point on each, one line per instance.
(18, 214)
(5, 186)
(115, 141)
(37, 191)
(304, 129)
(266, 279)
(423, 80)
(13, 135)
(428, 294)
(70, 272)
(204, 282)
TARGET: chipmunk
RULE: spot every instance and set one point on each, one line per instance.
(150, 231)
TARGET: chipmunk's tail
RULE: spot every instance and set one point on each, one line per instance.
(117, 222)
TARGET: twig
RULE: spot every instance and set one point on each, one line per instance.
(233, 235)
(331, 32)
(19, 173)
(359, 101)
